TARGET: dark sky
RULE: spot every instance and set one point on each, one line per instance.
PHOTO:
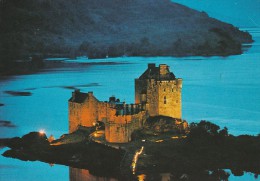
(241, 13)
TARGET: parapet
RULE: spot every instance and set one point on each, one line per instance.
(157, 73)
(113, 99)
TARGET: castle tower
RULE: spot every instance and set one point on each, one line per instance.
(159, 91)
(83, 110)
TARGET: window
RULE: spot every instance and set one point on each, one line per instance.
(164, 100)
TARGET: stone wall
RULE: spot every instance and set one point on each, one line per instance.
(170, 98)
(119, 123)
(84, 114)
(157, 92)
(162, 97)
(90, 111)
(152, 98)
(120, 128)
(146, 93)
(74, 116)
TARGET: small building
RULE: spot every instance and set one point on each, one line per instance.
(120, 119)
(157, 92)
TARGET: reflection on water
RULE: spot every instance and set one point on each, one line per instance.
(159, 177)
(141, 177)
(165, 176)
(77, 174)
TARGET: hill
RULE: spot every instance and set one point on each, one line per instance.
(103, 28)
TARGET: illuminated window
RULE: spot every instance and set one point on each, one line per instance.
(165, 100)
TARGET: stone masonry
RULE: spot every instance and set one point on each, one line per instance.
(157, 92)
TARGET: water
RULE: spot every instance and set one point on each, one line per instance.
(223, 90)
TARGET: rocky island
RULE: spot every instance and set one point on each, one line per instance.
(119, 140)
(202, 153)
(101, 28)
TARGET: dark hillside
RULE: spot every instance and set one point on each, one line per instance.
(111, 27)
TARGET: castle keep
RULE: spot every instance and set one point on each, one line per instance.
(157, 92)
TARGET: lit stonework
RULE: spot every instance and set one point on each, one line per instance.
(120, 119)
(157, 92)
(160, 91)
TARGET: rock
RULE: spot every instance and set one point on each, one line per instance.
(162, 124)
(18, 93)
(7, 124)
(34, 139)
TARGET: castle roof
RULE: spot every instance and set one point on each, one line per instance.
(158, 73)
(78, 97)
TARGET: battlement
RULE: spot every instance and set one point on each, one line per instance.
(157, 92)
(158, 73)
(122, 108)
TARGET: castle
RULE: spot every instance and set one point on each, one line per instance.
(157, 92)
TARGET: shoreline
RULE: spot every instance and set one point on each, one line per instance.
(165, 153)
(38, 63)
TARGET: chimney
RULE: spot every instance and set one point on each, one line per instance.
(90, 93)
(164, 69)
(112, 99)
(151, 65)
(74, 94)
